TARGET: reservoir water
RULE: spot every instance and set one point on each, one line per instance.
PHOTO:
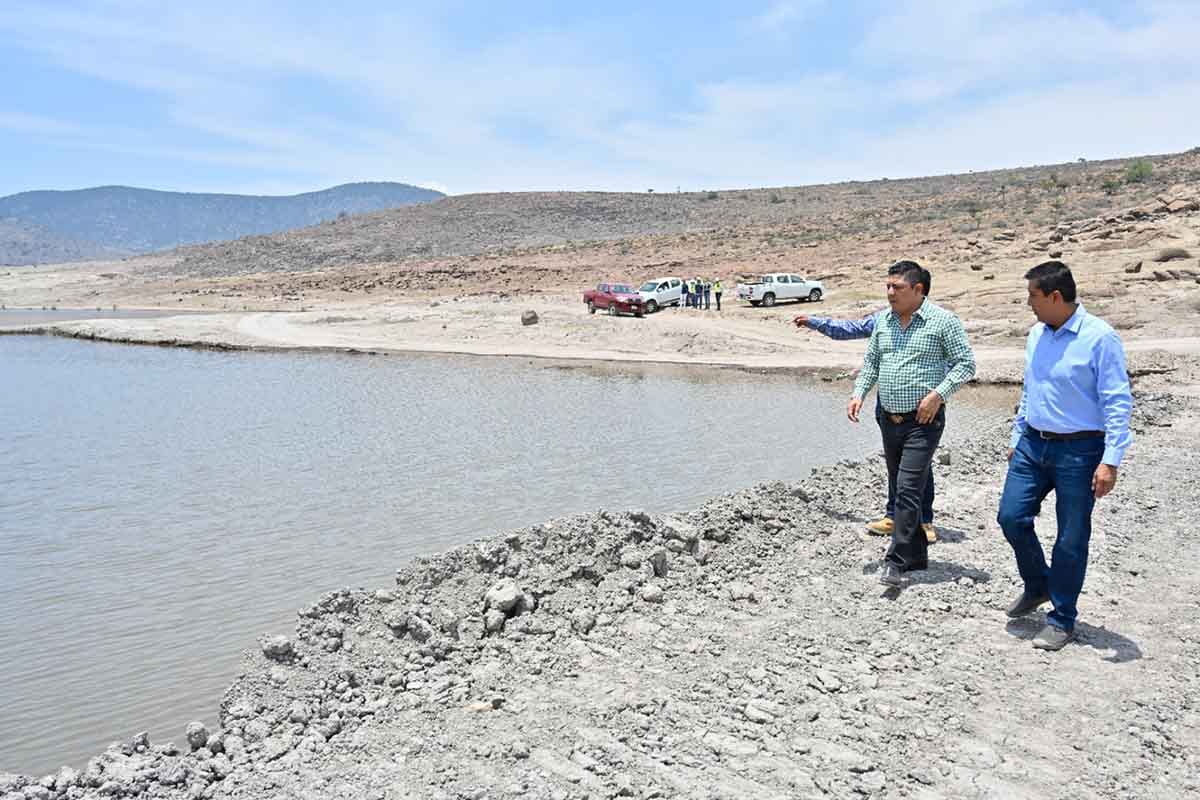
(160, 508)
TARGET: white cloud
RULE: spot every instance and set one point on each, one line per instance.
(932, 86)
(782, 15)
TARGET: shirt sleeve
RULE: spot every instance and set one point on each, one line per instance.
(842, 329)
(1116, 399)
(960, 357)
(1019, 424)
(870, 368)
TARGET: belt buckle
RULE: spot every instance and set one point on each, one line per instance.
(896, 418)
(1043, 435)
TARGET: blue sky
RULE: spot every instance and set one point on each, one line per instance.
(276, 98)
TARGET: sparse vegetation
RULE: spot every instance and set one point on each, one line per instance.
(712, 196)
(1139, 171)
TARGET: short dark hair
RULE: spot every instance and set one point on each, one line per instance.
(1053, 276)
(913, 273)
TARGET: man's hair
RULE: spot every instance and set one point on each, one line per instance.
(913, 273)
(1053, 276)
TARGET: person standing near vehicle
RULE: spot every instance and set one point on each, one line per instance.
(707, 294)
(1069, 435)
(920, 356)
(841, 330)
(717, 292)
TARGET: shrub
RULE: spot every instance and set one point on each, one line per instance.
(1110, 185)
(1138, 171)
(712, 196)
(775, 198)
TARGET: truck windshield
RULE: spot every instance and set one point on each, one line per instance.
(622, 288)
(651, 286)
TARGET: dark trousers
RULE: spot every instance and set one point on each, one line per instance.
(707, 301)
(718, 296)
(926, 498)
(908, 448)
(1038, 466)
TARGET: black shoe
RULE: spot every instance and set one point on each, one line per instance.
(890, 575)
(924, 565)
(1026, 604)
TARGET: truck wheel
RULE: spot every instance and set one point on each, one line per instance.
(769, 299)
(814, 295)
(591, 307)
(651, 307)
(612, 309)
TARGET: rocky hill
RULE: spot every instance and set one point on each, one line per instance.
(113, 220)
(790, 217)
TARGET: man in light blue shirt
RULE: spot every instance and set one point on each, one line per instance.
(841, 330)
(1070, 434)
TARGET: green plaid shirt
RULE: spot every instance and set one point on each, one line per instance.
(931, 355)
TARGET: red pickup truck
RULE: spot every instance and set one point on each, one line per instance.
(617, 298)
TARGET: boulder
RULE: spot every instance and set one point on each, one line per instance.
(1171, 254)
(1134, 268)
(529, 318)
(277, 648)
(197, 735)
(503, 596)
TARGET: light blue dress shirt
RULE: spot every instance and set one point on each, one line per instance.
(1075, 380)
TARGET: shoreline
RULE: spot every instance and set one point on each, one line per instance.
(739, 649)
(828, 360)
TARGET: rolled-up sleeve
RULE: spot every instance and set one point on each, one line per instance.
(1116, 399)
(960, 358)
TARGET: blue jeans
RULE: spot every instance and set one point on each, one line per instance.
(1038, 466)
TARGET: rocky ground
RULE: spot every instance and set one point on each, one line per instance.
(742, 649)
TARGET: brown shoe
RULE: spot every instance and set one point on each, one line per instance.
(881, 527)
(930, 533)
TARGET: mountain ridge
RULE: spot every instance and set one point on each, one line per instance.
(123, 220)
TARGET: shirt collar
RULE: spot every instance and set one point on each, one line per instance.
(1074, 322)
(921, 311)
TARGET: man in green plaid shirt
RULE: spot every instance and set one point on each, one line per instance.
(919, 355)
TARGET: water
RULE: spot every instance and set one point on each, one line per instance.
(39, 316)
(161, 508)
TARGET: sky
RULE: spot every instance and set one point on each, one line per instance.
(463, 97)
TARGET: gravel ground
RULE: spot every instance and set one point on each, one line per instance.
(740, 650)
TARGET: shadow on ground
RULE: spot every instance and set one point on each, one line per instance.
(1122, 648)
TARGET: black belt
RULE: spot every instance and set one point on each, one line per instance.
(1066, 437)
(908, 416)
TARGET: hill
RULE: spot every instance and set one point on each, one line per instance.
(23, 243)
(737, 224)
(121, 219)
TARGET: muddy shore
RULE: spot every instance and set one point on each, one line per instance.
(739, 650)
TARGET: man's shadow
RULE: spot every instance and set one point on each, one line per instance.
(1124, 649)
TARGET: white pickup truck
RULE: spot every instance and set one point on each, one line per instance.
(661, 292)
(769, 289)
